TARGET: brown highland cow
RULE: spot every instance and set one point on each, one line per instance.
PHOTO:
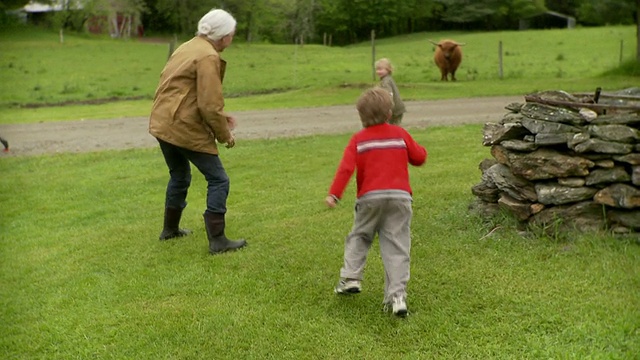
(447, 56)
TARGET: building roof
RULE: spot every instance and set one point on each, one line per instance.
(56, 5)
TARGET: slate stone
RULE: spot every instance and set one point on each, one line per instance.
(588, 114)
(494, 134)
(635, 175)
(511, 118)
(629, 219)
(602, 176)
(633, 158)
(501, 154)
(486, 163)
(556, 95)
(555, 194)
(617, 133)
(548, 139)
(605, 163)
(516, 187)
(486, 190)
(514, 107)
(617, 119)
(548, 164)
(572, 182)
(577, 139)
(519, 145)
(551, 114)
(521, 209)
(619, 196)
(541, 126)
(584, 216)
(485, 209)
(603, 147)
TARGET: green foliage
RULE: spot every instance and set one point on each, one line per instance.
(605, 12)
(629, 68)
(491, 14)
(12, 4)
(84, 276)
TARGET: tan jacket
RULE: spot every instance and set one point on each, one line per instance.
(390, 85)
(188, 107)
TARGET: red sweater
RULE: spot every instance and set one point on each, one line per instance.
(380, 153)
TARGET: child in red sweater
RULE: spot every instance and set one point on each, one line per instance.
(380, 153)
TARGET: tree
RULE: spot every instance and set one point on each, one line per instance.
(7, 20)
(603, 12)
(491, 14)
(12, 4)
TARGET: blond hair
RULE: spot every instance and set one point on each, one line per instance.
(374, 106)
(385, 64)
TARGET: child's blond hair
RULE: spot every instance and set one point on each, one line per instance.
(385, 64)
(374, 106)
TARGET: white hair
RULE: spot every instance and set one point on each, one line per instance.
(216, 24)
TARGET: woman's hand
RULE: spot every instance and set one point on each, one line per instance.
(231, 143)
(231, 122)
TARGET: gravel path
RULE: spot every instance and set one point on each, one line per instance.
(125, 133)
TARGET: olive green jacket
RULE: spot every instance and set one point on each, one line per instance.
(188, 107)
(390, 85)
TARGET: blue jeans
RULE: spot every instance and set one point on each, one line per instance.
(210, 166)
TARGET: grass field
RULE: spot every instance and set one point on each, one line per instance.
(37, 69)
(83, 275)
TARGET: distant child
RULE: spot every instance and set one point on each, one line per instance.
(384, 69)
(380, 153)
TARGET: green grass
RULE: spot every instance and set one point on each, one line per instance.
(84, 276)
(37, 69)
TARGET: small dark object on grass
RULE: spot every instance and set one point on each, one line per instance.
(5, 143)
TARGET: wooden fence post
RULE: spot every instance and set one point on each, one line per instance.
(373, 53)
(500, 71)
(172, 45)
(621, 48)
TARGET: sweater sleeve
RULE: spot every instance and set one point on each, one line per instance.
(345, 170)
(210, 98)
(417, 153)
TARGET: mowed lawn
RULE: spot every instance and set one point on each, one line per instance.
(84, 275)
(36, 70)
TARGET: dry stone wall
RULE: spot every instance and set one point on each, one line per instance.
(565, 160)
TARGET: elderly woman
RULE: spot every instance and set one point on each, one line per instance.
(188, 118)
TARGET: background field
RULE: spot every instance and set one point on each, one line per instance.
(82, 274)
(37, 69)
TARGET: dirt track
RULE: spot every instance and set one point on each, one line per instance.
(125, 133)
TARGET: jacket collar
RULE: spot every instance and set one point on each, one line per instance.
(223, 63)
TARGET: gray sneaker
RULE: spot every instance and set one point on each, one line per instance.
(347, 287)
(399, 306)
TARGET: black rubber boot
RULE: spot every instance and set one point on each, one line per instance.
(171, 224)
(218, 242)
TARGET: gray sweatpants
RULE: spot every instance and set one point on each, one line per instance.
(390, 218)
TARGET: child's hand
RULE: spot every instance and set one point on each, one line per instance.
(330, 201)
